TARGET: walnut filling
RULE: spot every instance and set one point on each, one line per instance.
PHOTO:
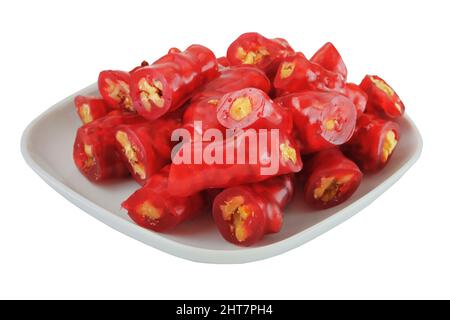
(287, 69)
(130, 153)
(120, 92)
(85, 113)
(90, 156)
(389, 144)
(240, 108)
(330, 124)
(383, 86)
(147, 210)
(236, 212)
(329, 187)
(288, 153)
(252, 57)
(151, 93)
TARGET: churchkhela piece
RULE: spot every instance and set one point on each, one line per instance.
(244, 214)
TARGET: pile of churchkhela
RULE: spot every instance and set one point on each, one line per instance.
(233, 136)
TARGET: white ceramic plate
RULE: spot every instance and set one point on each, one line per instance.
(47, 147)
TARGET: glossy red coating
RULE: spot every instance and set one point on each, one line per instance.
(201, 115)
(330, 58)
(223, 63)
(232, 79)
(357, 96)
(188, 177)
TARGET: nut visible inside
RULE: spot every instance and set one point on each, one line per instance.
(85, 113)
(287, 68)
(389, 144)
(241, 108)
(252, 57)
(120, 91)
(329, 187)
(90, 156)
(147, 210)
(330, 124)
(130, 152)
(288, 152)
(235, 211)
(151, 93)
(383, 86)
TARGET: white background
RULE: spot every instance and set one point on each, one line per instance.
(398, 247)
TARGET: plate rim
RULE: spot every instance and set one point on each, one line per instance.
(198, 254)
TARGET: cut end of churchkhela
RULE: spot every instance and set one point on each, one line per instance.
(151, 96)
(145, 147)
(94, 151)
(322, 120)
(331, 179)
(114, 87)
(153, 208)
(240, 109)
(338, 119)
(90, 108)
(389, 143)
(383, 100)
(84, 156)
(252, 57)
(252, 108)
(249, 49)
(147, 211)
(373, 142)
(289, 153)
(238, 218)
(236, 213)
(329, 189)
(286, 69)
(254, 49)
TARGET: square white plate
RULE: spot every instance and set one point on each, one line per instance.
(47, 147)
